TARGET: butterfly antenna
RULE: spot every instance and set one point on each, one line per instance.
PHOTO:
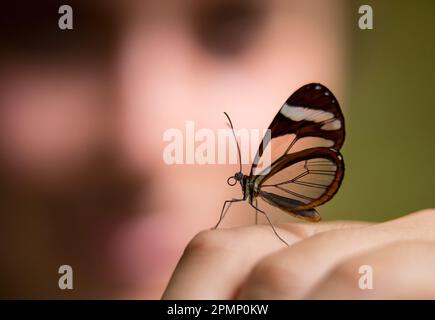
(237, 143)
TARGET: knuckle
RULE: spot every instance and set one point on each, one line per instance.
(403, 249)
(206, 241)
(419, 220)
(430, 213)
(392, 256)
(268, 271)
(424, 216)
(347, 273)
(271, 278)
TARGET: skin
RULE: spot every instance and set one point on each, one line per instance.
(322, 261)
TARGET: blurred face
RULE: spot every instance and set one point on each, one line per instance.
(83, 113)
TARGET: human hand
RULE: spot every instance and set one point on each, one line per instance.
(321, 262)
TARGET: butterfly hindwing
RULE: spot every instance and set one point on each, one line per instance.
(287, 204)
(306, 178)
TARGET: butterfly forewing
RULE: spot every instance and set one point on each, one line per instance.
(306, 168)
(310, 117)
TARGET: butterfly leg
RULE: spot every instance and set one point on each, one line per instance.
(267, 217)
(256, 212)
(224, 211)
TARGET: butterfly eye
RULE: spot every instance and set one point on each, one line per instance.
(227, 28)
(232, 181)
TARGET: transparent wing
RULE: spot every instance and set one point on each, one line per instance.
(311, 117)
(301, 181)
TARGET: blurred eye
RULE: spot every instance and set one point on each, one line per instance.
(33, 32)
(227, 28)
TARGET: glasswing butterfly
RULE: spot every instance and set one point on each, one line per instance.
(306, 167)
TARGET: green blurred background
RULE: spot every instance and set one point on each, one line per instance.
(390, 113)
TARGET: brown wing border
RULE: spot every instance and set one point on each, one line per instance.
(307, 154)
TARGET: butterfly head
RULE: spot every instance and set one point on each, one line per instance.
(238, 176)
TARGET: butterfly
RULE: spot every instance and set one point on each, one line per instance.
(305, 168)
